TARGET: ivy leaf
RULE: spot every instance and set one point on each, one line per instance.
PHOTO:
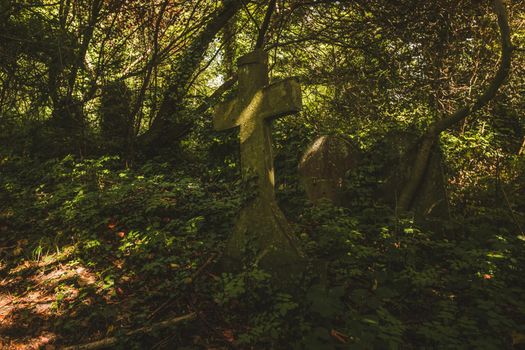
(318, 339)
(325, 302)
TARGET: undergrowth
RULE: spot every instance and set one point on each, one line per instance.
(151, 237)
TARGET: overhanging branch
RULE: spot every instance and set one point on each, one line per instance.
(497, 81)
(266, 23)
(408, 192)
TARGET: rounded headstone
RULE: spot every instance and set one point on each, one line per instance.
(323, 167)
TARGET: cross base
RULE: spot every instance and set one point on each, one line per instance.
(262, 228)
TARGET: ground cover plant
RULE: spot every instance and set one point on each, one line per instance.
(103, 249)
(120, 194)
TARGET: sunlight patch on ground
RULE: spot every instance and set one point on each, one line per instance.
(45, 261)
(39, 292)
(38, 342)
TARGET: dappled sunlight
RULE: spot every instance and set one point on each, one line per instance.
(154, 256)
(42, 292)
(34, 343)
(387, 213)
(51, 295)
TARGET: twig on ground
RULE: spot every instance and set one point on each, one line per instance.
(191, 280)
(106, 342)
(203, 267)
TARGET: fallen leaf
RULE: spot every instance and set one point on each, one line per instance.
(343, 338)
(228, 334)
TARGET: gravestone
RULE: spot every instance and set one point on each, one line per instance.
(261, 225)
(329, 159)
(399, 148)
(324, 165)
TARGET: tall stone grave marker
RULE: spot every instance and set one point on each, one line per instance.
(261, 225)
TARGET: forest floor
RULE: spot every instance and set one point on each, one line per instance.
(53, 300)
(28, 300)
(91, 251)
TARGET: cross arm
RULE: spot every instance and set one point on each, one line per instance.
(281, 98)
(226, 114)
(272, 101)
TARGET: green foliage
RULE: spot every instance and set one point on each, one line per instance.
(271, 310)
(373, 280)
(132, 228)
(144, 242)
(383, 284)
(404, 288)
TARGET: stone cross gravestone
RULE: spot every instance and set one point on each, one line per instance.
(261, 226)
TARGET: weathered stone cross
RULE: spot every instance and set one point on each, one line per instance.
(261, 223)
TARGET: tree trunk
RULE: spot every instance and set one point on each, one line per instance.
(171, 122)
(409, 191)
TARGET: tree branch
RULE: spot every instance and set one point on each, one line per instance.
(111, 341)
(212, 99)
(497, 81)
(429, 138)
(266, 23)
(171, 105)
